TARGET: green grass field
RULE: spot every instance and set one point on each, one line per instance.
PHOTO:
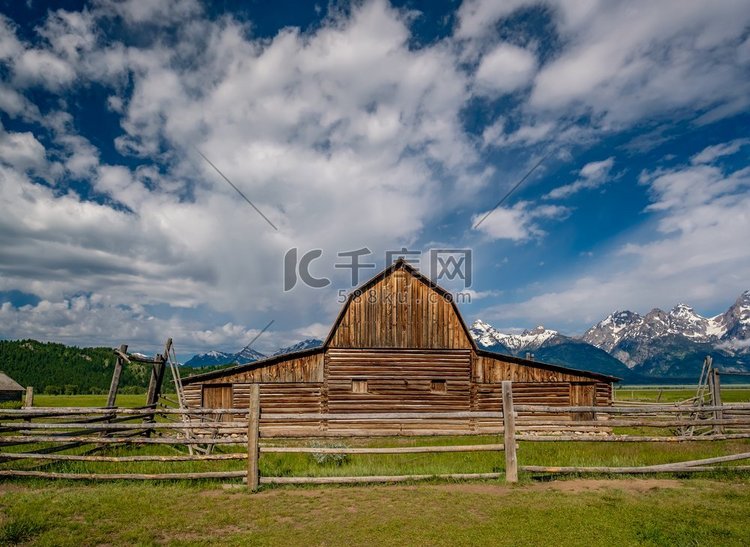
(656, 510)
(623, 512)
(128, 401)
(729, 394)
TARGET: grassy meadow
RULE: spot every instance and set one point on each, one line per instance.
(652, 394)
(624, 512)
(664, 509)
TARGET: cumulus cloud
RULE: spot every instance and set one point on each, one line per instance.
(505, 69)
(623, 61)
(592, 175)
(305, 125)
(21, 150)
(517, 223)
(661, 58)
(94, 320)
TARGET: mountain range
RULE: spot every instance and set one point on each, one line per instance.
(245, 355)
(638, 348)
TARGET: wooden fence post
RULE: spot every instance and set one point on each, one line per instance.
(253, 427)
(115, 385)
(29, 401)
(509, 429)
(716, 399)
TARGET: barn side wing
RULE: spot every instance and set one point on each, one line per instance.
(283, 382)
(537, 384)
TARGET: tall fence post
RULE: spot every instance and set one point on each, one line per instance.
(253, 429)
(509, 430)
(29, 401)
(116, 373)
(716, 399)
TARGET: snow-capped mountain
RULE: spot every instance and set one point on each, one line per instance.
(548, 346)
(682, 320)
(736, 323)
(529, 340)
(247, 355)
(216, 358)
(657, 340)
(210, 358)
(299, 346)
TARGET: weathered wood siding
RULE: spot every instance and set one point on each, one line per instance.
(398, 381)
(603, 393)
(494, 370)
(400, 311)
(294, 385)
(308, 368)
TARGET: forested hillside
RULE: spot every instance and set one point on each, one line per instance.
(57, 368)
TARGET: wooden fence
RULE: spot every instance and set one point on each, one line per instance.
(40, 435)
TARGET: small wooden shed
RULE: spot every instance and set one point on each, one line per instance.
(10, 390)
(399, 344)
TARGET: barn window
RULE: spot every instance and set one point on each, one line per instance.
(359, 385)
(438, 386)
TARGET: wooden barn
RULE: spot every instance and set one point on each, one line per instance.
(10, 390)
(398, 345)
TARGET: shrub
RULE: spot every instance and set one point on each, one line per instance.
(322, 458)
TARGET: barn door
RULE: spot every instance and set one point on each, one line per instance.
(218, 396)
(582, 394)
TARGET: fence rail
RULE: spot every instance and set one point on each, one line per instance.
(38, 436)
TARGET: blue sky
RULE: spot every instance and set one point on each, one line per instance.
(365, 125)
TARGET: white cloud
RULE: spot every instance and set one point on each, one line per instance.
(36, 66)
(517, 223)
(710, 153)
(15, 104)
(94, 320)
(664, 57)
(10, 45)
(477, 17)
(306, 125)
(592, 175)
(154, 12)
(505, 69)
(622, 61)
(21, 151)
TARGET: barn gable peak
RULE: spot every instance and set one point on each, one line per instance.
(400, 311)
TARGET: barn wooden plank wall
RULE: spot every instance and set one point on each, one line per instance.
(400, 311)
(308, 368)
(398, 381)
(495, 369)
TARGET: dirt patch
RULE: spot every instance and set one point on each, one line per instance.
(626, 485)
(637, 485)
(9, 488)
